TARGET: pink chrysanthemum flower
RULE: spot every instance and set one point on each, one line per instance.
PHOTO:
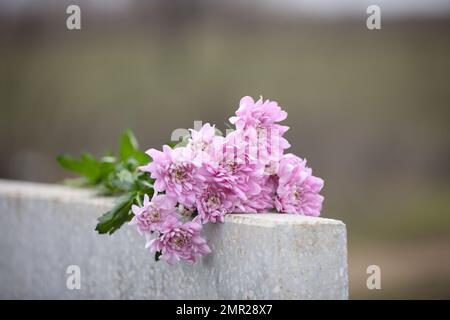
(245, 172)
(180, 241)
(175, 172)
(214, 202)
(298, 190)
(201, 142)
(239, 175)
(152, 214)
(262, 201)
(256, 122)
(257, 114)
(233, 170)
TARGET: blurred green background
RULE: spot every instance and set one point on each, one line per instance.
(368, 109)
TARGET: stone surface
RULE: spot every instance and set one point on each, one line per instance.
(46, 228)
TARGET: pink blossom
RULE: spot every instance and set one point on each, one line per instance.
(180, 241)
(152, 214)
(263, 200)
(257, 122)
(215, 201)
(242, 179)
(260, 113)
(298, 190)
(246, 172)
(201, 142)
(235, 173)
(175, 172)
(233, 170)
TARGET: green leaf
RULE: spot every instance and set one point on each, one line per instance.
(128, 145)
(138, 200)
(126, 176)
(129, 149)
(121, 180)
(69, 163)
(87, 166)
(144, 183)
(117, 216)
(114, 176)
(158, 254)
(106, 167)
(172, 144)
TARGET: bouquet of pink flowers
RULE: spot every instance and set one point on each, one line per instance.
(205, 177)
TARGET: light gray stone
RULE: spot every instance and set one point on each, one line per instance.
(46, 228)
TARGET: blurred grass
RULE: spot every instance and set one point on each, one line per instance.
(369, 110)
(407, 215)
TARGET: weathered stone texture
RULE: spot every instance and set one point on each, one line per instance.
(46, 228)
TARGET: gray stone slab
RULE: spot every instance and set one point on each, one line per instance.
(46, 228)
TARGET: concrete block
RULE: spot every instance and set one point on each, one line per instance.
(46, 228)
